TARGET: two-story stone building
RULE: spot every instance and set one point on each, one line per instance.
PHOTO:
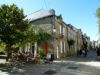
(60, 31)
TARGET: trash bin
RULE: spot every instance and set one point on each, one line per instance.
(52, 57)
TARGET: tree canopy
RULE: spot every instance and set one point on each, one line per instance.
(40, 35)
(98, 16)
(15, 30)
(13, 26)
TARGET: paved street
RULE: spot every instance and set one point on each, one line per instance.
(69, 66)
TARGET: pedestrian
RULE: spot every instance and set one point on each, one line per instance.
(47, 59)
(84, 52)
(79, 52)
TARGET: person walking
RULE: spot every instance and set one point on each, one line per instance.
(84, 52)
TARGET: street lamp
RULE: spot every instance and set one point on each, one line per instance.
(54, 30)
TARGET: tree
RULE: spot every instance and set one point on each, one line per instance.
(40, 37)
(71, 43)
(98, 16)
(14, 28)
(85, 44)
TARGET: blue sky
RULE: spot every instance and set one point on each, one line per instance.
(79, 13)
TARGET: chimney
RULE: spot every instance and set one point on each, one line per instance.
(52, 11)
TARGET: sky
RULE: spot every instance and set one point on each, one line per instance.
(79, 13)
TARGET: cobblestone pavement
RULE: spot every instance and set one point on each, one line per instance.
(69, 66)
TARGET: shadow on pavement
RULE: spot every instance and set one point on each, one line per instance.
(69, 64)
(7, 69)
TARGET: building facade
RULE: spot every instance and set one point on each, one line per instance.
(60, 44)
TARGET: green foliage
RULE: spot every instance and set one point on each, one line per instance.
(84, 42)
(71, 42)
(13, 26)
(98, 45)
(40, 35)
(98, 13)
(2, 45)
(98, 16)
(41, 53)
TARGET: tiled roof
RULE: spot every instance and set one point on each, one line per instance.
(39, 14)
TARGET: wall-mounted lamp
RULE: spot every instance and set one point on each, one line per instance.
(54, 29)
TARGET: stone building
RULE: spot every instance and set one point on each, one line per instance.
(60, 31)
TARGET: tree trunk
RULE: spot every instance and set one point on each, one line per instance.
(8, 50)
(8, 56)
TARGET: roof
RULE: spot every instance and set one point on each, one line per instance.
(40, 14)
